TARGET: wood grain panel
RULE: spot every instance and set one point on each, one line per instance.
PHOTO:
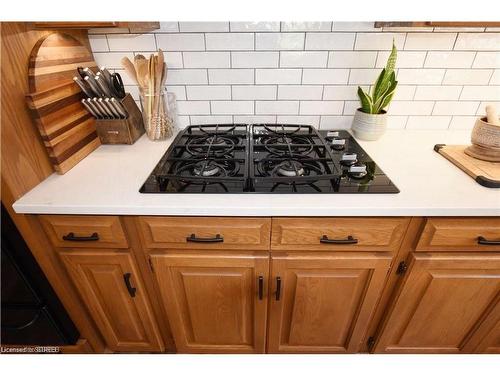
(459, 234)
(373, 234)
(108, 228)
(327, 301)
(212, 300)
(442, 303)
(126, 322)
(238, 233)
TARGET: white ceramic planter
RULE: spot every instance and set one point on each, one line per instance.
(369, 127)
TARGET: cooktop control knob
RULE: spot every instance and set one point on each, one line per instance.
(338, 143)
(349, 158)
(358, 170)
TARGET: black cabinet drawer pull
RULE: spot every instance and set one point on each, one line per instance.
(278, 288)
(71, 237)
(483, 241)
(350, 240)
(131, 290)
(193, 238)
(261, 287)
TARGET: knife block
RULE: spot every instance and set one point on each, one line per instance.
(123, 131)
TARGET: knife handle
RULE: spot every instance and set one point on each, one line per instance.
(101, 108)
(103, 85)
(93, 85)
(83, 87)
(112, 108)
(106, 109)
(89, 108)
(120, 107)
(107, 75)
(96, 109)
(89, 72)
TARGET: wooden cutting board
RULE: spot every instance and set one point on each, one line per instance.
(485, 173)
(67, 128)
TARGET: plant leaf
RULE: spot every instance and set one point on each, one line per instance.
(391, 61)
(366, 101)
(387, 97)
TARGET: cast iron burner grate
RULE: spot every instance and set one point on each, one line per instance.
(265, 158)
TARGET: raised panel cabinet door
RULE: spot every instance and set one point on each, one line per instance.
(112, 289)
(443, 305)
(323, 303)
(215, 303)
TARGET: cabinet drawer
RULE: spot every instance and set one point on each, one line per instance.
(205, 232)
(346, 234)
(84, 231)
(453, 234)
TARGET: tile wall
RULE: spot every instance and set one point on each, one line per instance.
(308, 72)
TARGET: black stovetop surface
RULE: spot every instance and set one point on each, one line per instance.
(266, 158)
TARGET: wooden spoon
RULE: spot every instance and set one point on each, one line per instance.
(130, 69)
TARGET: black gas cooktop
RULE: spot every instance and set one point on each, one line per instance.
(266, 158)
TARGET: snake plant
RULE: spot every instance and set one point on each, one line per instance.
(382, 92)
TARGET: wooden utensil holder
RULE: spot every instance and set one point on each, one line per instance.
(122, 131)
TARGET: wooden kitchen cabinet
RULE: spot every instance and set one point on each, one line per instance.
(446, 304)
(113, 291)
(216, 303)
(323, 303)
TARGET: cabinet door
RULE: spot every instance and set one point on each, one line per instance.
(106, 280)
(323, 303)
(213, 301)
(442, 304)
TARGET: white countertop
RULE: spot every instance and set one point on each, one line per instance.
(108, 182)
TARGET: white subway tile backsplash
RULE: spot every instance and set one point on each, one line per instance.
(352, 59)
(462, 122)
(229, 41)
(467, 76)
(98, 43)
(481, 111)
(131, 42)
(193, 107)
(428, 122)
(455, 108)
(379, 41)
(480, 93)
(404, 92)
(208, 92)
(363, 76)
(330, 41)
(306, 120)
(430, 41)
(354, 26)
(111, 59)
(478, 41)
(325, 76)
(277, 76)
(179, 91)
(207, 59)
(335, 122)
(407, 107)
(209, 120)
(495, 78)
(203, 26)
(306, 26)
(405, 59)
(341, 92)
(309, 72)
(487, 60)
(300, 92)
(303, 59)
(276, 107)
(187, 77)
(396, 122)
(255, 59)
(251, 92)
(255, 26)
(455, 59)
(180, 42)
(230, 76)
(229, 107)
(324, 107)
(259, 119)
(438, 92)
(420, 76)
(279, 41)
(168, 27)
(183, 121)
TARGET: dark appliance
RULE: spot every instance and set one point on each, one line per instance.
(266, 158)
(31, 312)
